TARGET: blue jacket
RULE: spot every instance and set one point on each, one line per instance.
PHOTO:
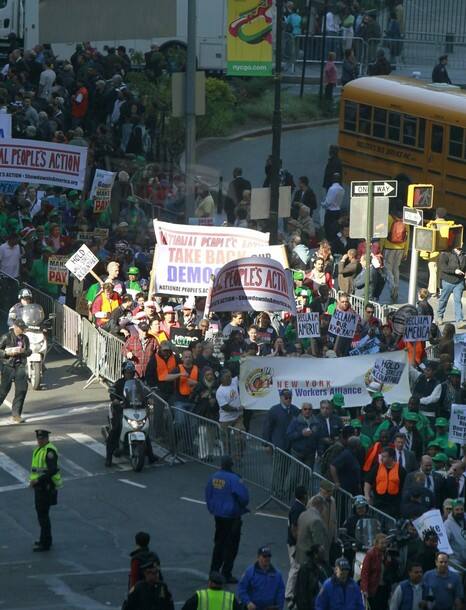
(263, 589)
(303, 445)
(407, 595)
(276, 425)
(226, 495)
(335, 596)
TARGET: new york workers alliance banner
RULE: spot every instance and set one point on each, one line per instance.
(39, 162)
(315, 379)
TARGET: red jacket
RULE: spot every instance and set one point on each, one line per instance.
(371, 571)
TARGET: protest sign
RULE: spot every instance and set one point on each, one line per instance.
(43, 163)
(82, 262)
(308, 325)
(187, 256)
(253, 283)
(417, 328)
(386, 370)
(343, 324)
(366, 346)
(432, 521)
(460, 355)
(101, 191)
(260, 203)
(316, 379)
(85, 236)
(457, 430)
(181, 338)
(101, 233)
(5, 125)
(57, 273)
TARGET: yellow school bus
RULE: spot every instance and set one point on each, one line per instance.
(394, 127)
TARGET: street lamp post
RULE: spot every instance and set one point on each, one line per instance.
(276, 127)
(322, 51)
(306, 43)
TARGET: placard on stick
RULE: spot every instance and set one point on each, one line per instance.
(308, 325)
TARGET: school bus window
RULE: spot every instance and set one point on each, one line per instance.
(421, 137)
(409, 130)
(436, 143)
(351, 111)
(365, 118)
(394, 123)
(456, 142)
(379, 127)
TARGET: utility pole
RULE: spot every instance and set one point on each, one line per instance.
(412, 293)
(306, 42)
(322, 53)
(369, 229)
(190, 141)
(276, 127)
(30, 33)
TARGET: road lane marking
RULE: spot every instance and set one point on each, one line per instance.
(89, 442)
(75, 470)
(13, 468)
(128, 482)
(272, 516)
(53, 414)
(192, 500)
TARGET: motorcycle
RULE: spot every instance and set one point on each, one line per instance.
(135, 425)
(36, 332)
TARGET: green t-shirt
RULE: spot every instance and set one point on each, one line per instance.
(39, 278)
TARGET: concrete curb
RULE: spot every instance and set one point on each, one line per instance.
(260, 131)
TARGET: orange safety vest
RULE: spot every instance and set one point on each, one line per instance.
(164, 368)
(183, 386)
(372, 456)
(388, 481)
(108, 305)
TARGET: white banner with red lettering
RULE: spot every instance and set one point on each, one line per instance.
(39, 162)
(315, 379)
(253, 283)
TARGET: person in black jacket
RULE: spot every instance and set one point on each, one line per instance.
(452, 267)
(150, 593)
(141, 555)
(440, 72)
(235, 192)
(14, 350)
(333, 166)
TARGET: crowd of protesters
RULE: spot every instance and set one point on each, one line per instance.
(396, 457)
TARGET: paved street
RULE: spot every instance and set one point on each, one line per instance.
(99, 510)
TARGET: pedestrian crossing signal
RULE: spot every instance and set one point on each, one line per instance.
(421, 196)
(438, 239)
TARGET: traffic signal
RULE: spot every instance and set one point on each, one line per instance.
(438, 239)
(421, 196)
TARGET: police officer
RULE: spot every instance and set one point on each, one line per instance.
(24, 298)
(14, 350)
(117, 396)
(45, 479)
(214, 597)
(227, 498)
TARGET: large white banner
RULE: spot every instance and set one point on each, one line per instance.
(315, 379)
(432, 521)
(457, 429)
(253, 283)
(43, 163)
(187, 256)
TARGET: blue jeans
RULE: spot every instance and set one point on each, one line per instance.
(447, 289)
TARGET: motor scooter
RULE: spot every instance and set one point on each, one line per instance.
(36, 331)
(135, 424)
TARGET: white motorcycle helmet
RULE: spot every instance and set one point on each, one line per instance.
(25, 293)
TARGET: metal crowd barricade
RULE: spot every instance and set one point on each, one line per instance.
(288, 472)
(338, 44)
(110, 356)
(196, 437)
(357, 303)
(68, 328)
(254, 457)
(386, 521)
(90, 349)
(9, 288)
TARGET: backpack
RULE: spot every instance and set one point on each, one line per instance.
(397, 233)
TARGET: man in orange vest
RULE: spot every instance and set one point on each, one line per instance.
(162, 371)
(185, 384)
(105, 303)
(384, 483)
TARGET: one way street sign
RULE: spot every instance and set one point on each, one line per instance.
(413, 217)
(382, 188)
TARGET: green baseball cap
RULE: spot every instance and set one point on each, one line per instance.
(377, 395)
(298, 276)
(433, 443)
(303, 292)
(454, 372)
(396, 406)
(356, 423)
(338, 400)
(440, 457)
(458, 502)
(133, 271)
(441, 422)
(411, 416)
(73, 194)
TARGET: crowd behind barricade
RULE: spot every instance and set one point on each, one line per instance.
(396, 457)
